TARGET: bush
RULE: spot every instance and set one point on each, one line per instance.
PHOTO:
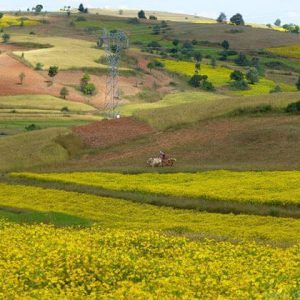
(89, 89)
(65, 109)
(252, 76)
(259, 109)
(208, 86)
(240, 85)
(39, 66)
(293, 107)
(237, 75)
(242, 60)
(276, 89)
(32, 127)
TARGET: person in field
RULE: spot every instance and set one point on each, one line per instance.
(162, 155)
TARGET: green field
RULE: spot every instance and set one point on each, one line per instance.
(292, 51)
(66, 53)
(202, 109)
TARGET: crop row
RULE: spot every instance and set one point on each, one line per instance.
(278, 187)
(122, 214)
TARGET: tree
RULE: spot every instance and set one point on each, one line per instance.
(153, 18)
(237, 19)
(197, 67)
(298, 84)
(81, 8)
(52, 72)
(38, 8)
(89, 89)
(5, 37)
(1, 15)
(198, 56)
(225, 44)
(175, 42)
(213, 62)
(242, 60)
(156, 30)
(252, 76)
(150, 66)
(277, 23)
(64, 92)
(141, 14)
(22, 77)
(237, 76)
(222, 18)
(84, 80)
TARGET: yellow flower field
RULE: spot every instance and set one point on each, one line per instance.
(122, 214)
(43, 262)
(8, 21)
(264, 187)
(292, 51)
(220, 76)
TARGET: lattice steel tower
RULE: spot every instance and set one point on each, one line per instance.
(114, 42)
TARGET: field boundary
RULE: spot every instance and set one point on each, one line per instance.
(199, 204)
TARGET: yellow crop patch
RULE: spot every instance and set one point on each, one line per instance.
(292, 51)
(44, 262)
(264, 187)
(8, 21)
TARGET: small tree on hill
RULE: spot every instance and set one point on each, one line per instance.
(277, 23)
(242, 60)
(52, 72)
(252, 76)
(237, 75)
(175, 42)
(237, 19)
(81, 8)
(5, 37)
(298, 84)
(225, 44)
(141, 15)
(222, 18)
(22, 77)
(38, 8)
(64, 92)
(150, 66)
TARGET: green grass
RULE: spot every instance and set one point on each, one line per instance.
(36, 217)
(174, 116)
(42, 102)
(170, 100)
(66, 53)
(32, 149)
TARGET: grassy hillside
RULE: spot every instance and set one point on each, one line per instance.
(42, 102)
(166, 117)
(169, 101)
(292, 51)
(32, 149)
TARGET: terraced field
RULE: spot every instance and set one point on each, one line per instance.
(8, 21)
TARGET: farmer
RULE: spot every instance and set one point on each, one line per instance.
(162, 155)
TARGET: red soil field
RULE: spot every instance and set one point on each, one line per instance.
(112, 132)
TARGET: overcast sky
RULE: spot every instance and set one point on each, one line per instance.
(260, 11)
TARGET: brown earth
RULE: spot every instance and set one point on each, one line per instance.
(112, 132)
(248, 143)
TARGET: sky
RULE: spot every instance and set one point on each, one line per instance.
(254, 11)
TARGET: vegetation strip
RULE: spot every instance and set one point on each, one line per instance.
(199, 204)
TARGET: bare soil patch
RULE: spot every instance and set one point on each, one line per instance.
(112, 132)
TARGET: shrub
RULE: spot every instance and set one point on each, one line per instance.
(262, 108)
(65, 109)
(208, 86)
(240, 85)
(32, 127)
(64, 92)
(252, 76)
(80, 19)
(293, 107)
(237, 75)
(89, 89)
(152, 18)
(276, 89)
(5, 37)
(242, 60)
(39, 66)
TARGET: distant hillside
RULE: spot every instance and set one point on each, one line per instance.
(168, 16)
